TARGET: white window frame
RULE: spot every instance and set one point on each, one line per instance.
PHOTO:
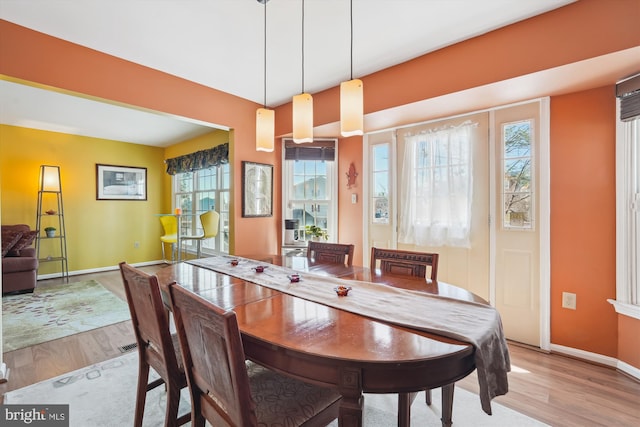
(332, 192)
(627, 300)
(218, 246)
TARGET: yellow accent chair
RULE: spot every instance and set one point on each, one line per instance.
(210, 222)
(170, 236)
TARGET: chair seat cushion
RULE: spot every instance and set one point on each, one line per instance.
(276, 392)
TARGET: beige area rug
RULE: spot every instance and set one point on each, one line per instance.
(103, 395)
(57, 311)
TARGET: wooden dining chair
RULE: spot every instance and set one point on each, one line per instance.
(333, 253)
(406, 263)
(157, 347)
(225, 389)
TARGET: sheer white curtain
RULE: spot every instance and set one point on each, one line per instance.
(436, 187)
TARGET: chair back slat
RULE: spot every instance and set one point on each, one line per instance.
(157, 347)
(169, 224)
(214, 359)
(149, 318)
(407, 263)
(332, 253)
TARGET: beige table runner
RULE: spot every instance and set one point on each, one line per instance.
(467, 321)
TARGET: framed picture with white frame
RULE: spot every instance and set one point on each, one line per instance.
(257, 189)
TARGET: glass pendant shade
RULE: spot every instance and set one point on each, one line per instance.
(265, 129)
(50, 178)
(351, 108)
(302, 118)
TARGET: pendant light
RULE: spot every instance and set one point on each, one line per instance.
(302, 106)
(265, 118)
(351, 98)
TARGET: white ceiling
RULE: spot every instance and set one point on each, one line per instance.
(219, 43)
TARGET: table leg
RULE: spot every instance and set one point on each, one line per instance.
(350, 387)
(447, 404)
(404, 408)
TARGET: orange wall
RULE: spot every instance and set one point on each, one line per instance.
(41, 59)
(568, 34)
(583, 223)
(629, 339)
(351, 215)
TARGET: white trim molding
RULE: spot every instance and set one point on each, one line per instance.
(97, 270)
(628, 369)
(625, 309)
(585, 355)
(597, 358)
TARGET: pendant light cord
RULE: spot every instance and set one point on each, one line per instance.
(351, 26)
(265, 54)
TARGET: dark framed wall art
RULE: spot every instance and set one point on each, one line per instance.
(120, 182)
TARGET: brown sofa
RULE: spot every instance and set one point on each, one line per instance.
(19, 262)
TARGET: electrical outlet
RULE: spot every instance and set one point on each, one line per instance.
(136, 244)
(569, 300)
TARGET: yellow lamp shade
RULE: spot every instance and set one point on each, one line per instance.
(265, 129)
(302, 118)
(50, 178)
(351, 108)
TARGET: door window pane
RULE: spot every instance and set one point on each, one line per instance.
(517, 161)
(380, 187)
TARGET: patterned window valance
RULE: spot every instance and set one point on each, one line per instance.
(204, 159)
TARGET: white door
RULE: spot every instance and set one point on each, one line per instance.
(517, 220)
(504, 263)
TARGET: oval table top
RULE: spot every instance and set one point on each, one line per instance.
(329, 346)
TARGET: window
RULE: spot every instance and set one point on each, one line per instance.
(309, 192)
(380, 187)
(436, 187)
(197, 192)
(517, 157)
(628, 218)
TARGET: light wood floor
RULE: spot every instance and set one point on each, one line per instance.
(552, 388)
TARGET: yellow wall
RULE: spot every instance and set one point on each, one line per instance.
(100, 233)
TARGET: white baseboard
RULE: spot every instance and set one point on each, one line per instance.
(597, 358)
(96, 270)
(628, 369)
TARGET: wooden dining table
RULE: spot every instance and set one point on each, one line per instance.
(328, 346)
